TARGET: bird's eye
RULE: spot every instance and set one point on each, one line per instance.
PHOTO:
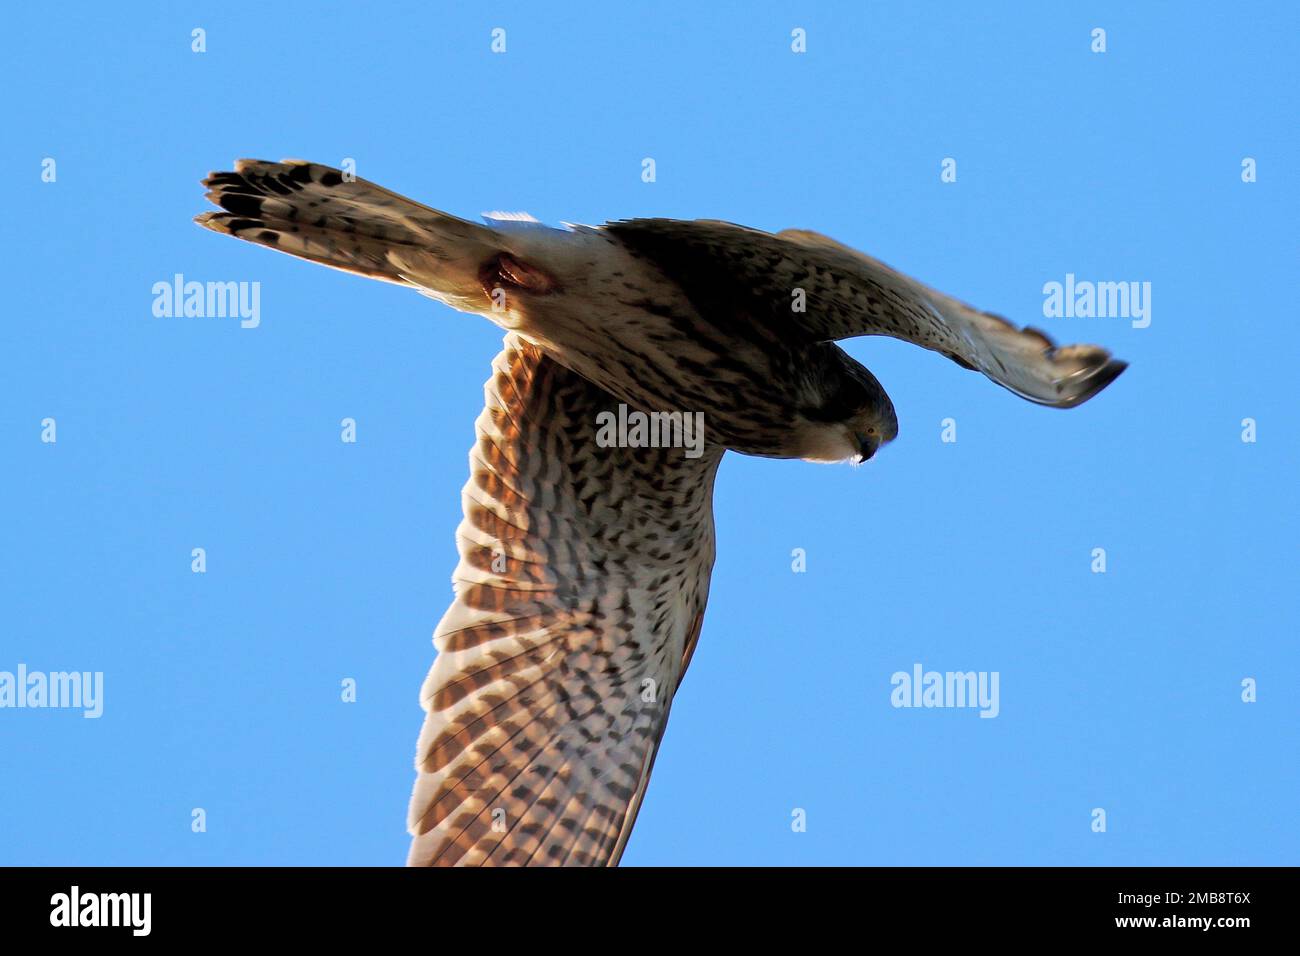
(871, 431)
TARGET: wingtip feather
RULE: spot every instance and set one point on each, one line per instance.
(1096, 381)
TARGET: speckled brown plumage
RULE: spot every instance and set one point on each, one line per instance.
(584, 572)
(584, 569)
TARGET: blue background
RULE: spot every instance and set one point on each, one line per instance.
(326, 560)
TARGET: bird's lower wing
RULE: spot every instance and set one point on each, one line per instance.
(582, 581)
(807, 285)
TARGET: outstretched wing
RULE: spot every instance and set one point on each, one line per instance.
(580, 590)
(847, 293)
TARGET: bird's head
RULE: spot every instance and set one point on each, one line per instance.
(852, 418)
(871, 428)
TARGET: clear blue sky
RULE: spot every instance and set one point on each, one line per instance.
(325, 560)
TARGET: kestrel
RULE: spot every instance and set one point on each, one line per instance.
(584, 564)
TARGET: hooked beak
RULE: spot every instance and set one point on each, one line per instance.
(867, 446)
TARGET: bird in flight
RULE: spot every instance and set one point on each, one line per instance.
(584, 563)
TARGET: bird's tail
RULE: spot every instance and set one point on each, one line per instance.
(323, 215)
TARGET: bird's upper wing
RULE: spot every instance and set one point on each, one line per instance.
(725, 268)
(581, 586)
